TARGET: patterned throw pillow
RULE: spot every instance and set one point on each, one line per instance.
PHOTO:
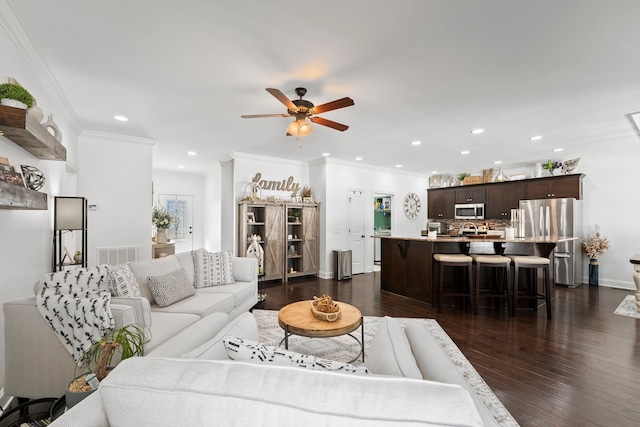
(202, 269)
(221, 271)
(212, 269)
(251, 351)
(76, 280)
(123, 283)
(170, 288)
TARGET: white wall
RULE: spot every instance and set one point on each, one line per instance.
(115, 175)
(212, 213)
(184, 184)
(26, 235)
(340, 177)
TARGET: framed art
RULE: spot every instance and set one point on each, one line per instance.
(251, 217)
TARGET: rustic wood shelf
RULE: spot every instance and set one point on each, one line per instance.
(15, 197)
(25, 131)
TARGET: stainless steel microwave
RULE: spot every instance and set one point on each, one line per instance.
(469, 211)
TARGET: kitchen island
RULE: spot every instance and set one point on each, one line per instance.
(406, 266)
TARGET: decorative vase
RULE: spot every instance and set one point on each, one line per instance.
(161, 236)
(593, 272)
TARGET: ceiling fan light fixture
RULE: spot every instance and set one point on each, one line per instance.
(299, 127)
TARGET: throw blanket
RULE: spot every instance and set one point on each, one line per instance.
(76, 304)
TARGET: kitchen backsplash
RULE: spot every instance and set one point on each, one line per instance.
(494, 224)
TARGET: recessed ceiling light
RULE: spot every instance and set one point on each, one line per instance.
(121, 118)
(477, 131)
(325, 154)
(191, 153)
(434, 172)
(497, 162)
(465, 152)
(358, 158)
(535, 138)
(558, 149)
(398, 166)
(416, 143)
(180, 166)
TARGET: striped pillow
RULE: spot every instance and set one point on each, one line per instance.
(221, 271)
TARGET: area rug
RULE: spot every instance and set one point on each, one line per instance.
(345, 348)
(628, 307)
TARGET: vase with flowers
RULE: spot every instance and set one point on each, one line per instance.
(162, 219)
(595, 246)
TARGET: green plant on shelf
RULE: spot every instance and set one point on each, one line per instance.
(17, 93)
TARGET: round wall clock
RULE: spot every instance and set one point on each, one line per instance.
(412, 205)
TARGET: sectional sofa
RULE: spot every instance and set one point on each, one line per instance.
(38, 365)
(413, 379)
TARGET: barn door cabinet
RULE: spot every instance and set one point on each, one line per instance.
(289, 237)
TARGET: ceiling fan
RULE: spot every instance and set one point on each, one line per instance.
(302, 109)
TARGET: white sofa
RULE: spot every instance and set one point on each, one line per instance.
(197, 384)
(37, 364)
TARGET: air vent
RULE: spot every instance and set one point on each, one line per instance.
(116, 255)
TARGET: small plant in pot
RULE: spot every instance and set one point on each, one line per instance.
(77, 257)
(296, 215)
(10, 93)
(129, 341)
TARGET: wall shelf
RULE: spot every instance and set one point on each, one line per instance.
(25, 131)
(15, 197)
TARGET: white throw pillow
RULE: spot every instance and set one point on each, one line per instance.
(251, 351)
(170, 288)
(221, 268)
(123, 283)
(76, 280)
(211, 269)
(202, 269)
(390, 352)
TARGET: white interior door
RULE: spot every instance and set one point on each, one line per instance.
(182, 231)
(356, 228)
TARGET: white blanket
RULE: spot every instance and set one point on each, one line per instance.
(76, 304)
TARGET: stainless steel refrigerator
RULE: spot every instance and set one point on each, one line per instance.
(558, 217)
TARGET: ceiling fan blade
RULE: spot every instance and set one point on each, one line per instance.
(333, 105)
(259, 116)
(282, 98)
(329, 123)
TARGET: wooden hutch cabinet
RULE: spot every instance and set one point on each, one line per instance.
(289, 237)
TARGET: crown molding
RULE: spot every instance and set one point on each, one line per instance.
(93, 134)
(14, 28)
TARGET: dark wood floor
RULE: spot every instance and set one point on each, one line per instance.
(582, 368)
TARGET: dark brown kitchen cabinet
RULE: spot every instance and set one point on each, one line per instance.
(500, 198)
(555, 187)
(440, 203)
(470, 194)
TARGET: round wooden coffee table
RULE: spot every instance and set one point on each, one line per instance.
(297, 319)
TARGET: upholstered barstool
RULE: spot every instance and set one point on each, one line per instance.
(502, 287)
(533, 263)
(453, 260)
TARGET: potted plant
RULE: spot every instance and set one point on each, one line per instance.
(462, 176)
(595, 246)
(129, 341)
(296, 215)
(162, 219)
(549, 166)
(14, 95)
(77, 257)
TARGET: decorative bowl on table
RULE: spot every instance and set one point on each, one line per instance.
(324, 308)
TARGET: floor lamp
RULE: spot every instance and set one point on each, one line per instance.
(70, 213)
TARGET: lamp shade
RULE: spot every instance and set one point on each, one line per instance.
(69, 213)
(299, 127)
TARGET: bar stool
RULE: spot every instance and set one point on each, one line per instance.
(496, 262)
(453, 260)
(533, 263)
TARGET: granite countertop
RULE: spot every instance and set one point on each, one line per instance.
(440, 239)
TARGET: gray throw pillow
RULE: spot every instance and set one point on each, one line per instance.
(170, 288)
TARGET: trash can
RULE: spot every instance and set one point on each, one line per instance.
(342, 264)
